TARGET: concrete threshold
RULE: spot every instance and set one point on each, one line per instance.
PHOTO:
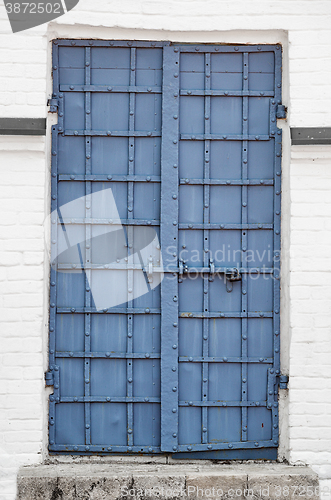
(175, 481)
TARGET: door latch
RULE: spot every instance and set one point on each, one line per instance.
(150, 270)
(232, 275)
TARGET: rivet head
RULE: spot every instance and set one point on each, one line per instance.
(71, 87)
(209, 447)
(176, 75)
(230, 445)
(130, 380)
(175, 325)
(176, 49)
(189, 448)
(174, 369)
(110, 89)
(129, 448)
(176, 94)
(190, 403)
(174, 346)
(174, 196)
(129, 431)
(190, 358)
(174, 448)
(236, 48)
(175, 117)
(174, 389)
(109, 448)
(174, 410)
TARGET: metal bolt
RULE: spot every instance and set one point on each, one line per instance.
(176, 75)
(174, 410)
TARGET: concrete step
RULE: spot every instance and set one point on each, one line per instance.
(175, 481)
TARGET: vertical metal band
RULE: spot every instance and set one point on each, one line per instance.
(129, 363)
(206, 255)
(244, 242)
(54, 238)
(169, 245)
(88, 236)
(277, 213)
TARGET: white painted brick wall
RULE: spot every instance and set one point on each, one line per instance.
(22, 190)
(24, 86)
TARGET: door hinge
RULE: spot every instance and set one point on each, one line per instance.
(283, 381)
(281, 111)
(53, 104)
(49, 378)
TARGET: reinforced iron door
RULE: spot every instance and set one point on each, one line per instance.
(172, 349)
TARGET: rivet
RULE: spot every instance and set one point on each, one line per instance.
(190, 358)
(109, 132)
(174, 448)
(277, 350)
(222, 315)
(244, 337)
(261, 93)
(256, 444)
(71, 354)
(51, 329)
(244, 291)
(88, 156)
(230, 445)
(225, 359)
(148, 178)
(175, 117)
(278, 154)
(75, 447)
(278, 85)
(245, 161)
(209, 447)
(129, 431)
(224, 136)
(87, 381)
(279, 132)
(205, 380)
(245, 77)
(71, 87)
(175, 141)
(110, 89)
(175, 165)
(174, 389)
(149, 134)
(174, 346)
(176, 49)
(245, 118)
(257, 403)
(257, 137)
(206, 205)
(53, 174)
(174, 196)
(174, 410)
(174, 434)
(276, 333)
(147, 355)
(107, 354)
(176, 75)
(226, 93)
(273, 132)
(193, 137)
(129, 448)
(75, 398)
(277, 192)
(189, 448)
(175, 325)
(189, 92)
(75, 133)
(149, 89)
(206, 117)
(244, 204)
(174, 369)
(52, 305)
(174, 223)
(176, 94)
(175, 299)
(197, 49)
(109, 448)
(205, 337)
(130, 380)
(190, 403)
(147, 311)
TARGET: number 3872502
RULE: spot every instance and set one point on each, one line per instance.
(33, 8)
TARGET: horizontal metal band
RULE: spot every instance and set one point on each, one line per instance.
(114, 222)
(203, 315)
(214, 359)
(110, 133)
(111, 89)
(114, 310)
(241, 404)
(223, 182)
(227, 445)
(107, 267)
(108, 43)
(228, 93)
(108, 355)
(226, 226)
(110, 178)
(221, 270)
(227, 48)
(310, 135)
(84, 449)
(219, 137)
(108, 399)
(22, 126)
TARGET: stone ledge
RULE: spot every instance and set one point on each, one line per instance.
(113, 481)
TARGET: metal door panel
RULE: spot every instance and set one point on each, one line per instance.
(208, 382)
(191, 204)
(258, 115)
(191, 160)
(74, 118)
(259, 334)
(226, 115)
(261, 81)
(224, 424)
(69, 163)
(224, 248)
(260, 163)
(225, 337)
(189, 425)
(225, 204)
(117, 57)
(221, 300)
(226, 81)
(260, 205)
(259, 424)
(70, 333)
(108, 425)
(225, 160)
(69, 418)
(110, 111)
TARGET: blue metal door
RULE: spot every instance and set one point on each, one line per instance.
(175, 349)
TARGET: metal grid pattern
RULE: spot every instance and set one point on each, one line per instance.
(177, 270)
